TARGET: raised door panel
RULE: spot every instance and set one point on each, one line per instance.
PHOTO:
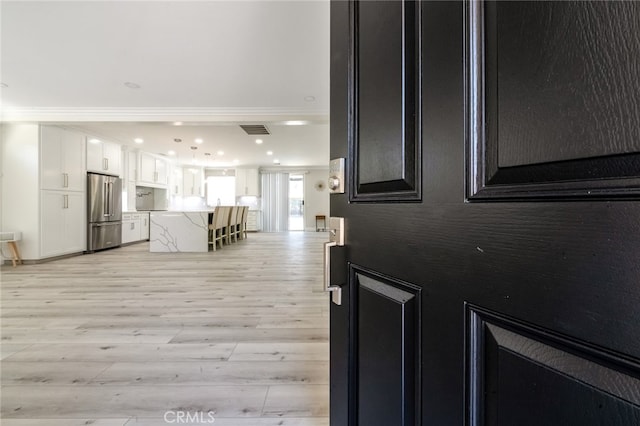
(387, 339)
(51, 158)
(554, 95)
(385, 73)
(52, 223)
(519, 375)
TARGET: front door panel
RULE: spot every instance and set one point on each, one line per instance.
(490, 273)
(385, 67)
(388, 313)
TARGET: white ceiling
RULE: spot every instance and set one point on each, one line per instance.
(209, 64)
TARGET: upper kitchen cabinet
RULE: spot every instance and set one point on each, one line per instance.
(152, 170)
(132, 166)
(62, 159)
(175, 180)
(193, 182)
(104, 157)
(247, 182)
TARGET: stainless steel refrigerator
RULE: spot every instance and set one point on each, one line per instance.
(105, 211)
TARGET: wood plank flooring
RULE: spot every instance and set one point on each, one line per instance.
(126, 337)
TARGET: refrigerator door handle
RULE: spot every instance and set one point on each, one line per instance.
(111, 200)
(105, 202)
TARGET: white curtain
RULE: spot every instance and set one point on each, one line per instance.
(275, 202)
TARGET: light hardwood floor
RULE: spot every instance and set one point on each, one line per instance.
(127, 337)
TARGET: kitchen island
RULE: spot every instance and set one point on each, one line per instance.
(179, 231)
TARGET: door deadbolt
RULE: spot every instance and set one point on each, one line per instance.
(334, 183)
(336, 176)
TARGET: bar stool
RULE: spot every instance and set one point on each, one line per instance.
(11, 238)
(321, 218)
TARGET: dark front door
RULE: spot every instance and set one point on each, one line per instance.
(491, 267)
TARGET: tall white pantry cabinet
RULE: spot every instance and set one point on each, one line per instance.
(44, 188)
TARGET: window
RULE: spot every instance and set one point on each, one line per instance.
(221, 191)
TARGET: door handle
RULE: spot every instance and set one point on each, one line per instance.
(336, 291)
(336, 238)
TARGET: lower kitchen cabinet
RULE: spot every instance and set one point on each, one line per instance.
(254, 220)
(63, 223)
(144, 226)
(135, 227)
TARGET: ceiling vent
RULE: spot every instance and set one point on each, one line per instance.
(255, 129)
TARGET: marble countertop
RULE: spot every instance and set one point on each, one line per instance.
(179, 231)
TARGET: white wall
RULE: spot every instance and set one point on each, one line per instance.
(20, 187)
(315, 202)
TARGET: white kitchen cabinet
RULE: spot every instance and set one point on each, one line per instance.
(193, 182)
(104, 157)
(176, 180)
(135, 227)
(152, 170)
(52, 221)
(247, 182)
(130, 228)
(144, 226)
(254, 220)
(131, 195)
(132, 166)
(63, 223)
(62, 159)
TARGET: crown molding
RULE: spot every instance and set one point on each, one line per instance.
(186, 115)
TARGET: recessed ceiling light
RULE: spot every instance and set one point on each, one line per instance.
(276, 161)
(94, 140)
(171, 152)
(177, 140)
(258, 141)
(296, 123)
(193, 148)
(4, 86)
(309, 98)
(207, 154)
(198, 140)
(177, 123)
(269, 152)
(138, 140)
(132, 85)
(220, 152)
